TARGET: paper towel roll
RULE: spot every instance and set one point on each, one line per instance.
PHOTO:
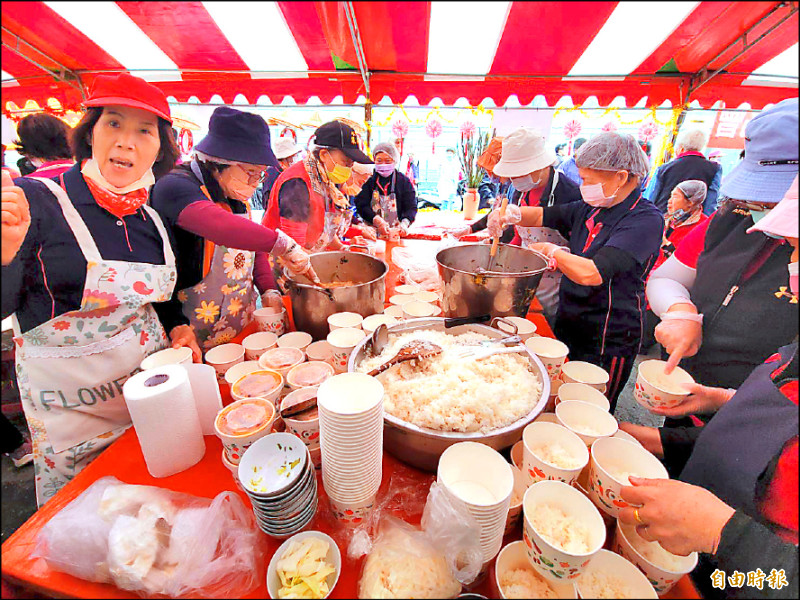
(163, 412)
(205, 389)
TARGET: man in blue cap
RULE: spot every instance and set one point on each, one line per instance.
(222, 255)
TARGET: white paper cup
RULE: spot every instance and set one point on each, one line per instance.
(610, 457)
(580, 392)
(515, 504)
(169, 356)
(581, 418)
(416, 310)
(341, 320)
(607, 564)
(513, 557)
(400, 299)
(372, 322)
(551, 352)
(394, 311)
(254, 424)
(270, 319)
(654, 389)
(281, 359)
(525, 329)
(407, 289)
(264, 383)
(295, 339)
(536, 435)
(578, 371)
(423, 296)
(546, 417)
(660, 577)
(320, 350)
(343, 341)
(553, 562)
(624, 435)
(308, 374)
(333, 558)
(223, 357)
(352, 513)
(351, 394)
(238, 370)
(307, 429)
(256, 344)
(518, 455)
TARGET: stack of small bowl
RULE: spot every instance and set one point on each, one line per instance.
(277, 475)
(480, 477)
(350, 409)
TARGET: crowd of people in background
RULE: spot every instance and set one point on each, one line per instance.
(679, 255)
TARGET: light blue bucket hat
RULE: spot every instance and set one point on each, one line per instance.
(770, 156)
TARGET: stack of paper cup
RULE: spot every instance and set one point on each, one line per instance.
(481, 478)
(350, 409)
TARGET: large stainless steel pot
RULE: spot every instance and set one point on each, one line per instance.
(506, 290)
(422, 447)
(311, 306)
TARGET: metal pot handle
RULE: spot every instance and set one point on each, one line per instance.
(505, 321)
(456, 321)
(285, 284)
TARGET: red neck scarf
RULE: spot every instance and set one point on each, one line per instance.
(119, 205)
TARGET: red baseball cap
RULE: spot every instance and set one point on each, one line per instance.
(126, 90)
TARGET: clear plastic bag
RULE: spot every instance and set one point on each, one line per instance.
(154, 541)
(421, 269)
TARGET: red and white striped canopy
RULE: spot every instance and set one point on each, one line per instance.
(446, 50)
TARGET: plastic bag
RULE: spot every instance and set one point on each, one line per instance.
(404, 564)
(155, 541)
(421, 269)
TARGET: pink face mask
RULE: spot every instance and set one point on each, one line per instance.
(794, 282)
(593, 195)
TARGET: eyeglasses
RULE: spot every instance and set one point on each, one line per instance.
(253, 176)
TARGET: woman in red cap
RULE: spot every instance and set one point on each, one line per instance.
(84, 259)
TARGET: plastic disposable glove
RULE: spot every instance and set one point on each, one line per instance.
(272, 299)
(369, 233)
(381, 225)
(16, 218)
(294, 257)
(403, 228)
(496, 224)
(703, 400)
(683, 518)
(460, 232)
(680, 338)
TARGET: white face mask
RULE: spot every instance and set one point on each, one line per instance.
(525, 183)
(594, 195)
(92, 171)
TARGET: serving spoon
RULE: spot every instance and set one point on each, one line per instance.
(413, 350)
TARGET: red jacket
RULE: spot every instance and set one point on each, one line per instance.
(305, 231)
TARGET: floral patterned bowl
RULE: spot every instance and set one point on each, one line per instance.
(541, 435)
(613, 459)
(553, 562)
(608, 565)
(588, 421)
(513, 557)
(654, 389)
(661, 578)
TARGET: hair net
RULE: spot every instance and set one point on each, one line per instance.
(613, 152)
(694, 190)
(386, 148)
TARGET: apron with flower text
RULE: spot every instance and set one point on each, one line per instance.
(384, 202)
(71, 369)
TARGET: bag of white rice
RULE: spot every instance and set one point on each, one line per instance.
(525, 583)
(561, 530)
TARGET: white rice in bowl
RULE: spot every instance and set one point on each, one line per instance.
(525, 583)
(561, 530)
(446, 393)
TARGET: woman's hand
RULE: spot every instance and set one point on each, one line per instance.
(183, 335)
(649, 437)
(272, 299)
(381, 225)
(683, 518)
(497, 224)
(460, 232)
(546, 248)
(680, 338)
(369, 233)
(16, 218)
(703, 400)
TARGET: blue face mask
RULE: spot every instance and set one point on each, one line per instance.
(757, 215)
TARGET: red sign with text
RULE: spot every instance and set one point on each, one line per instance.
(728, 130)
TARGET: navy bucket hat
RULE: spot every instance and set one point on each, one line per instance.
(238, 136)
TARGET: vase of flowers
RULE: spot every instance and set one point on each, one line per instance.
(471, 146)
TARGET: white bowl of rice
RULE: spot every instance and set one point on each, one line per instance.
(655, 389)
(515, 578)
(447, 399)
(662, 568)
(611, 576)
(552, 452)
(562, 530)
(588, 421)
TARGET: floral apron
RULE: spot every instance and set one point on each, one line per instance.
(384, 202)
(71, 369)
(547, 292)
(221, 305)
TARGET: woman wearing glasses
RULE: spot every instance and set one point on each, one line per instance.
(220, 252)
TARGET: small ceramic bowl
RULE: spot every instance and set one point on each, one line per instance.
(588, 421)
(553, 562)
(613, 458)
(334, 558)
(655, 389)
(581, 392)
(606, 565)
(295, 339)
(662, 576)
(272, 465)
(513, 557)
